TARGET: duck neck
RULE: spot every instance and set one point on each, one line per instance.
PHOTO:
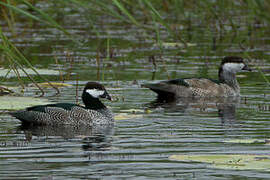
(92, 103)
(228, 78)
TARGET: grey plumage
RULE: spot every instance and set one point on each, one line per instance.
(94, 112)
(227, 84)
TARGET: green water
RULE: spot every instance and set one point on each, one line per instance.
(138, 147)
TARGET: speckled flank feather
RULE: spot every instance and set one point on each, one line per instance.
(193, 87)
(227, 84)
(56, 116)
(68, 114)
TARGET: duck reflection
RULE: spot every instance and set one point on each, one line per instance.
(93, 137)
(226, 107)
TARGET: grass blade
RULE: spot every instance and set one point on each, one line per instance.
(124, 10)
(161, 21)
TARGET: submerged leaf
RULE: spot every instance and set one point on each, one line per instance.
(229, 161)
(16, 103)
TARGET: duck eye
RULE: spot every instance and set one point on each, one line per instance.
(95, 92)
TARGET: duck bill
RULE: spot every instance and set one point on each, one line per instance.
(106, 96)
(246, 68)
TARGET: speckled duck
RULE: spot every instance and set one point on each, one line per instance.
(94, 111)
(226, 86)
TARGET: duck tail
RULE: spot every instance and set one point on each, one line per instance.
(163, 90)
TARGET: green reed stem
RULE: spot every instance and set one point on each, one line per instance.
(15, 55)
(124, 10)
(161, 21)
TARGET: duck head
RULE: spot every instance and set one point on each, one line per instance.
(233, 64)
(91, 94)
(96, 90)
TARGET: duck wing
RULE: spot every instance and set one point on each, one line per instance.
(62, 113)
(45, 114)
(43, 108)
(168, 89)
(188, 87)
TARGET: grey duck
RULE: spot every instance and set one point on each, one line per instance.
(226, 86)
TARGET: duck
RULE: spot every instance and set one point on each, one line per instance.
(226, 85)
(94, 112)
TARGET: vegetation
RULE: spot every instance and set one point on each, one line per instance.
(212, 24)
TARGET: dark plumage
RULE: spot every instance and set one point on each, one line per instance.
(226, 85)
(94, 111)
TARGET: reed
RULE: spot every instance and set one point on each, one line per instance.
(125, 12)
(15, 57)
(42, 17)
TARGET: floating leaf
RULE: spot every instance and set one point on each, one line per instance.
(47, 85)
(122, 116)
(168, 45)
(247, 141)
(229, 161)
(4, 72)
(148, 111)
(135, 111)
(15, 103)
(241, 76)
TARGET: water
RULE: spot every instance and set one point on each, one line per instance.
(137, 147)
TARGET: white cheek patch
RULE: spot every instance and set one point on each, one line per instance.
(95, 92)
(233, 67)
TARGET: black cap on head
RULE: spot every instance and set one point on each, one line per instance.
(232, 59)
(94, 85)
(235, 59)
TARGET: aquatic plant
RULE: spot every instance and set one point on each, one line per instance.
(17, 60)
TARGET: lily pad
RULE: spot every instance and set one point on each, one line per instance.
(11, 73)
(229, 161)
(16, 103)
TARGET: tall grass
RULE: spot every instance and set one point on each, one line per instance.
(17, 60)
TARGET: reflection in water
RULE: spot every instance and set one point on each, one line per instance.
(226, 106)
(93, 138)
(227, 112)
